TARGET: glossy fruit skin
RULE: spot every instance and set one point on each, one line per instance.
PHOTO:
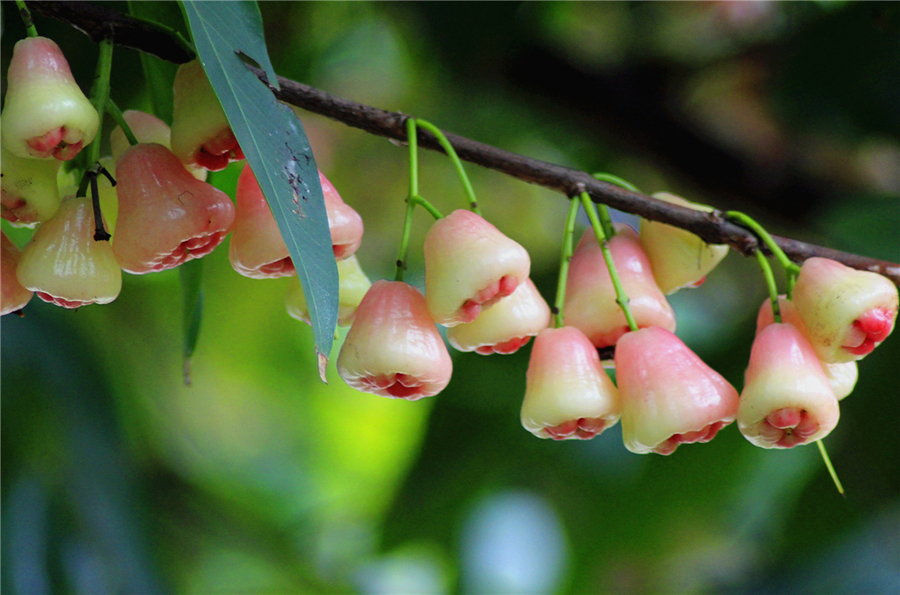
(787, 399)
(846, 312)
(146, 128)
(45, 114)
(394, 348)
(469, 265)
(678, 257)
(353, 287)
(567, 394)
(591, 297)
(344, 222)
(669, 395)
(842, 377)
(64, 265)
(166, 216)
(29, 192)
(506, 326)
(13, 297)
(201, 134)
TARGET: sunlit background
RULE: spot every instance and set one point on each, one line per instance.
(258, 478)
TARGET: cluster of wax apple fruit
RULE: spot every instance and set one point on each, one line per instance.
(160, 214)
(476, 280)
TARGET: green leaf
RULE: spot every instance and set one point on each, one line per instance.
(275, 146)
(191, 276)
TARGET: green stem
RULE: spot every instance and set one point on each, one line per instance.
(419, 200)
(100, 96)
(451, 153)
(790, 269)
(26, 18)
(830, 467)
(565, 259)
(770, 283)
(604, 177)
(609, 230)
(621, 298)
(411, 199)
(113, 110)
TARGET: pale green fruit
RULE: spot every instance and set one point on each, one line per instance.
(29, 192)
(353, 287)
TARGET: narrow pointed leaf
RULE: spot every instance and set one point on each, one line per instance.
(276, 147)
(191, 276)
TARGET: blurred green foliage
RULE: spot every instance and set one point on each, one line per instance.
(260, 479)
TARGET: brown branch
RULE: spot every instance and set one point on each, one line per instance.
(712, 227)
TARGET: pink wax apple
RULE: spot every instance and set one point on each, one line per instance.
(394, 348)
(146, 128)
(669, 396)
(591, 298)
(567, 394)
(166, 216)
(45, 114)
(13, 297)
(787, 399)
(201, 134)
(469, 265)
(847, 313)
(506, 326)
(344, 222)
(63, 263)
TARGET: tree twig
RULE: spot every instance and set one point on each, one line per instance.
(712, 227)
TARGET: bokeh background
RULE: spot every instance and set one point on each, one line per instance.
(118, 478)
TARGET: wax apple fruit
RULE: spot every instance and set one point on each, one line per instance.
(567, 394)
(146, 128)
(591, 298)
(28, 190)
(847, 313)
(166, 216)
(353, 287)
(45, 114)
(678, 257)
(201, 134)
(393, 348)
(787, 400)
(469, 265)
(506, 326)
(13, 296)
(63, 263)
(669, 396)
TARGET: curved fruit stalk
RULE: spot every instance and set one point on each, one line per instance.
(201, 134)
(353, 287)
(567, 394)
(13, 297)
(146, 128)
(109, 196)
(64, 265)
(394, 348)
(506, 326)
(469, 265)
(344, 222)
(45, 114)
(166, 216)
(678, 257)
(669, 396)
(842, 377)
(787, 400)
(29, 192)
(847, 313)
(591, 298)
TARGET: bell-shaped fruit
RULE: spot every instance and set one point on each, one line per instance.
(847, 312)
(669, 396)
(166, 215)
(201, 134)
(344, 222)
(13, 296)
(146, 128)
(45, 114)
(28, 190)
(842, 377)
(567, 394)
(787, 400)
(394, 348)
(591, 297)
(469, 265)
(506, 326)
(353, 287)
(678, 257)
(63, 263)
